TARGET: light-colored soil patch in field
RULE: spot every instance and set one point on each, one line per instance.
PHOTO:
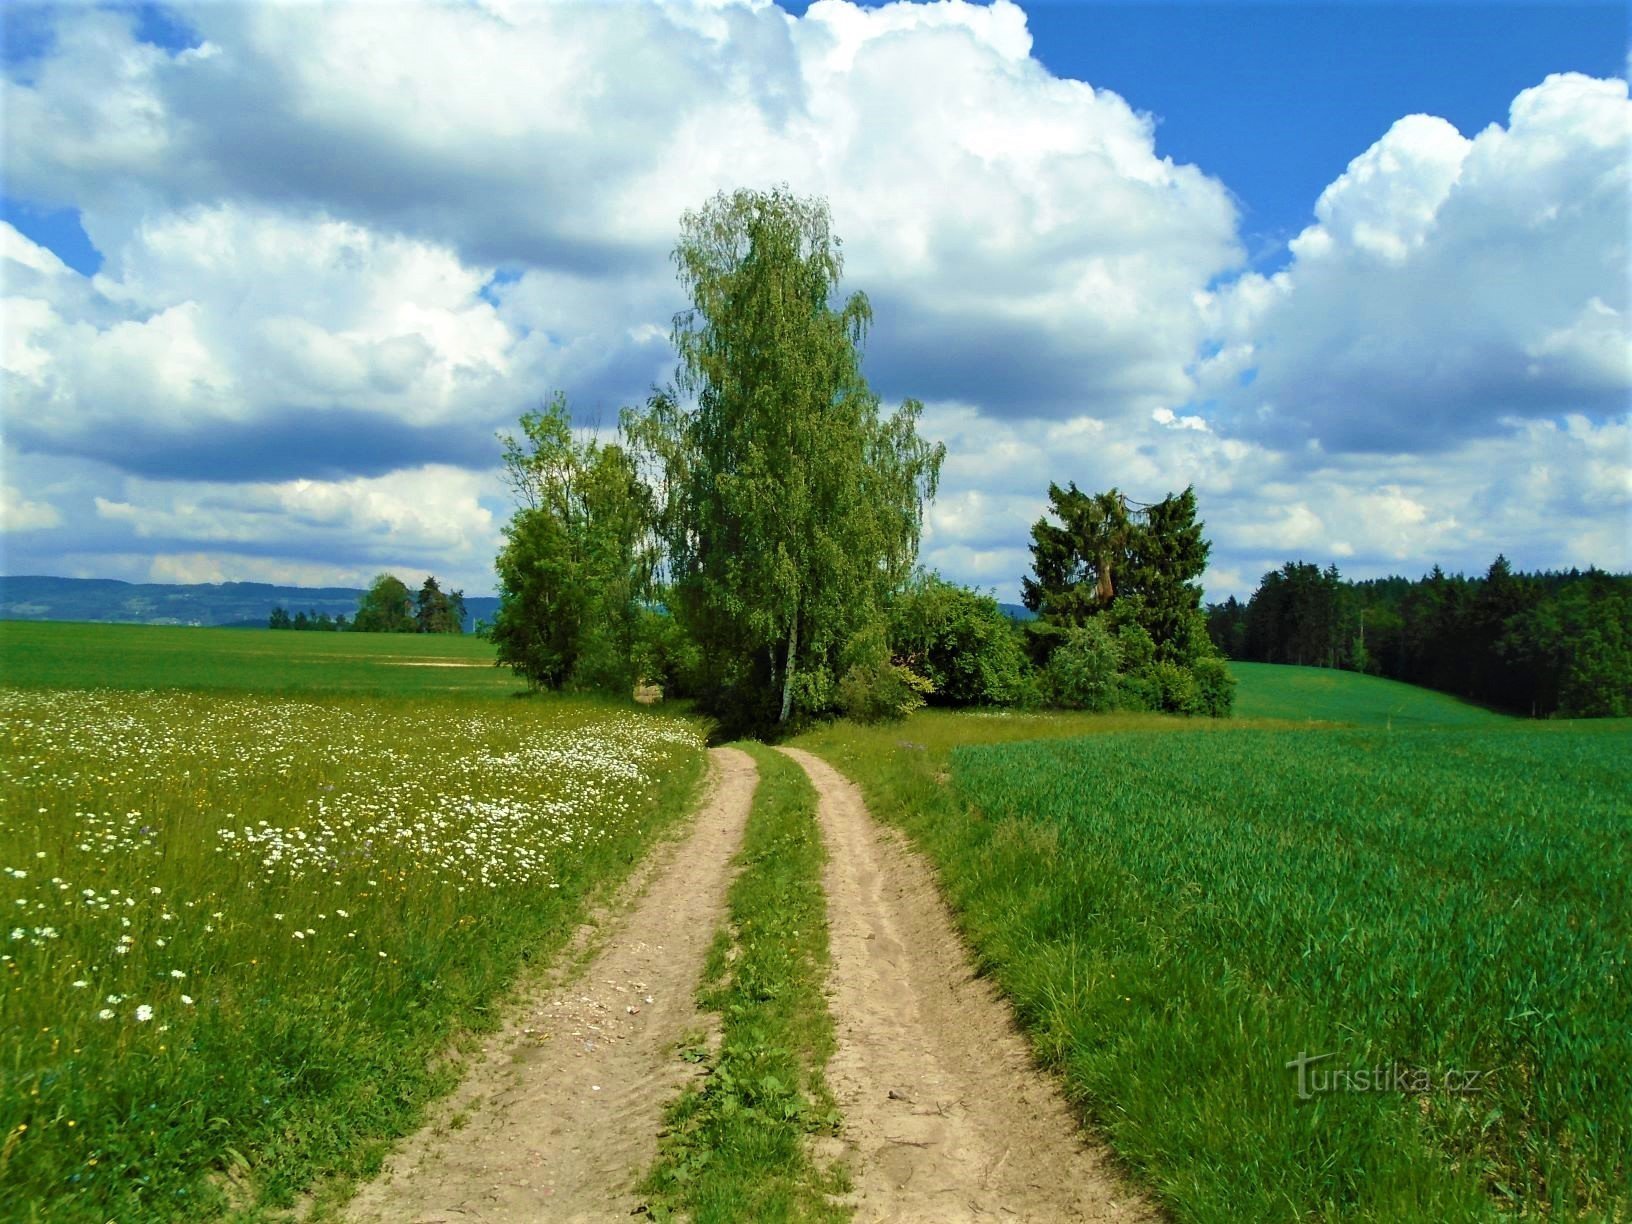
(945, 1116)
(433, 663)
(560, 1119)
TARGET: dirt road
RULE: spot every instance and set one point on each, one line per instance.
(945, 1116)
(560, 1117)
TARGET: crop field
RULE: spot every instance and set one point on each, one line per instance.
(245, 930)
(48, 654)
(1438, 921)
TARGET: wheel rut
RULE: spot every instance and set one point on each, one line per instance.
(561, 1115)
(946, 1118)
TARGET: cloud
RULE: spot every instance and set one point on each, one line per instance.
(344, 244)
(1448, 286)
(1024, 224)
(18, 514)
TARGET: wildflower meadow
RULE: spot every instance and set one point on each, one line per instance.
(242, 931)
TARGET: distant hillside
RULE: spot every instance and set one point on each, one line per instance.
(32, 597)
(1018, 612)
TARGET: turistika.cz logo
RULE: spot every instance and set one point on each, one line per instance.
(1314, 1080)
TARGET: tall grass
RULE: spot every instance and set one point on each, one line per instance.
(241, 926)
(1178, 916)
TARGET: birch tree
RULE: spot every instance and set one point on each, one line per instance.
(790, 506)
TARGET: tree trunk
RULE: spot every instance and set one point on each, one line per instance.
(787, 669)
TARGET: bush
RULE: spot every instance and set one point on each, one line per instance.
(1215, 686)
(878, 692)
(1082, 672)
(959, 640)
(1176, 689)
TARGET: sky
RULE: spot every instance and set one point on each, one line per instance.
(275, 275)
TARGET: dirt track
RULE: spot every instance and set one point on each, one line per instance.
(945, 1116)
(560, 1117)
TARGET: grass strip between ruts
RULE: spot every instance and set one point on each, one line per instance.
(737, 1146)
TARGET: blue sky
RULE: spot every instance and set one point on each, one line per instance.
(1357, 271)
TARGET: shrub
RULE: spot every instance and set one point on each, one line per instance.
(878, 692)
(959, 640)
(1215, 685)
(1082, 672)
(1176, 689)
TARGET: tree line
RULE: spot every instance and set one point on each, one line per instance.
(749, 537)
(1545, 643)
(387, 607)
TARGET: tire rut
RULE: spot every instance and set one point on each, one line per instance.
(561, 1116)
(946, 1118)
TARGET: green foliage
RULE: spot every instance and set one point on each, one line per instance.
(737, 1148)
(436, 611)
(663, 653)
(1176, 916)
(1215, 687)
(880, 691)
(1118, 592)
(1543, 644)
(577, 558)
(386, 607)
(320, 622)
(790, 509)
(1084, 669)
(959, 640)
(1101, 555)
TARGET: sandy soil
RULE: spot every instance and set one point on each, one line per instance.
(560, 1117)
(945, 1116)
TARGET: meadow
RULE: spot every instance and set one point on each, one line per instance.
(1438, 919)
(248, 930)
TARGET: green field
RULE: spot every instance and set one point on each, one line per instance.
(1178, 915)
(248, 928)
(1275, 690)
(56, 654)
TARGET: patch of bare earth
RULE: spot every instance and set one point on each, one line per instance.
(561, 1116)
(946, 1118)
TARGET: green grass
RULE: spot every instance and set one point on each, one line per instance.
(1275, 690)
(292, 909)
(737, 1148)
(53, 654)
(1176, 916)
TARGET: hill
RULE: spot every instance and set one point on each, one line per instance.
(1278, 690)
(36, 597)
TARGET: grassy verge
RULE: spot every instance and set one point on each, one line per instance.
(245, 930)
(737, 1148)
(1177, 916)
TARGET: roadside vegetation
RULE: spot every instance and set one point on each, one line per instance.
(738, 1146)
(1177, 916)
(246, 929)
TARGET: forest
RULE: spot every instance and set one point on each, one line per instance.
(1543, 644)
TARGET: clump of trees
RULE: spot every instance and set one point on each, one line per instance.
(389, 607)
(1542, 643)
(1116, 586)
(578, 557)
(319, 622)
(750, 536)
